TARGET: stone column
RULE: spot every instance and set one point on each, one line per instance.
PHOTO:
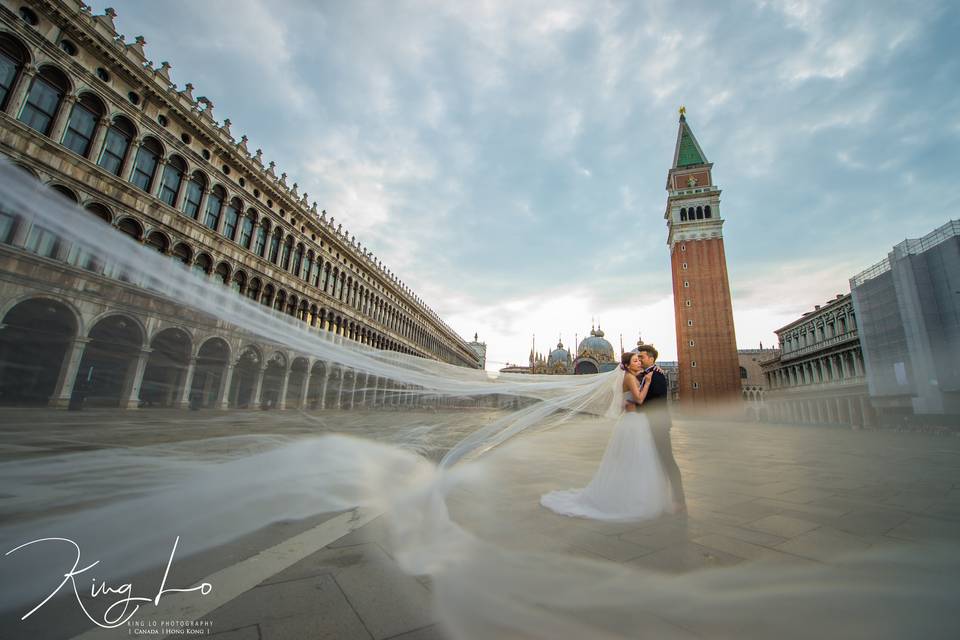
(202, 208)
(158, 177)
(282, 400)
(258, 387)
(184, 401)
(60, 119)
(305, 389)
(857, 363)
(19, 94)
(323, 388)
(182, 189)
(21, 230)
(340, 380)
(99, 136)
(127, 169)
(353, 391)
(866, 411)
(67, 378)
(131, 396)
(223, 395)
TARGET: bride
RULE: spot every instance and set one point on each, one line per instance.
(630, 483)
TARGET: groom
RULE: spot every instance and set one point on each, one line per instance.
(656, 410)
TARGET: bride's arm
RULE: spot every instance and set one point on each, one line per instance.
(639, 395)
(634, 388)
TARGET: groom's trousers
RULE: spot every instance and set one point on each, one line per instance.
(660, 424)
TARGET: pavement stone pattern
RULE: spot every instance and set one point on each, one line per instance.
(756, 492)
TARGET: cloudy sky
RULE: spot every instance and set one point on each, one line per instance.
(508, 159)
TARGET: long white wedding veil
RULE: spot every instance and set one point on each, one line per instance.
(450, 455)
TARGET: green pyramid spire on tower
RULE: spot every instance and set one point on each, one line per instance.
(688, 152)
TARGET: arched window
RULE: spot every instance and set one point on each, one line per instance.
(41, 240)
(158, 241)
(145, 165)
(211, 218)
(222, 274)
(233, 218)
(308, 267)
(82, 124)
(246, 229)
(275, 244)
(281, 300)
(260, 244)
(297, 260)
(182, 253)
(131, 227)
(317, 270)
(194, 194)
(116, 145)
(253, 291)
(326, 278)
(239, 282)
(44, 99)
(285, 256)
(706, 211)
(683, 215)
(743, 373)
(699, 213)
(172, 177)
(13, 55)
(203, 264)
(267, 299)
(80, 256)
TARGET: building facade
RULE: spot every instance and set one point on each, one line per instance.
(819, 375)
(908, 307)
(480, 348)
(708, 368)
(85, 112)
(753, 381)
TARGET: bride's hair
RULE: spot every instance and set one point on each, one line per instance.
(625, 359)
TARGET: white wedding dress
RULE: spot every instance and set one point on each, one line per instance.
(630, 483)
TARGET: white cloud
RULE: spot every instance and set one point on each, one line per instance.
(488, 151)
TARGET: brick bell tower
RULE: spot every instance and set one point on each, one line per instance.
(709, 371)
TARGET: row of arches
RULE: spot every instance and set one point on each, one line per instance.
(835, 368)
(854, 411)
(45, 99)
(695, 213)
(51, 354)
(19, 231)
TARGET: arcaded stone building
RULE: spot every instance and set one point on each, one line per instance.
(708, 369)
(753, 381)
(819, 375)
(84, 111)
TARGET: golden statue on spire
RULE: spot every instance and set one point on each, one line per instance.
(683, 111)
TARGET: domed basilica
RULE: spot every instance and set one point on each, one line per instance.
(594, 355)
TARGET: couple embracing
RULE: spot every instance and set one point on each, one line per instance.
(638, 477)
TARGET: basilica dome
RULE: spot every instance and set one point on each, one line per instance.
(558, 356)
(595, 346)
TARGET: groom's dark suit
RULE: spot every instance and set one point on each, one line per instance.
(656, 409)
